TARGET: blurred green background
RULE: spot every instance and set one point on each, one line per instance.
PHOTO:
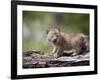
(36, 23)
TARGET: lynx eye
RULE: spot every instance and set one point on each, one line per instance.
(56, 34)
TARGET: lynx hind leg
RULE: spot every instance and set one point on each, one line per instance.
(76, 52)
(78, 47)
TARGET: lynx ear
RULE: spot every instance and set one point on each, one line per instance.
(47, 31)
(57, 29)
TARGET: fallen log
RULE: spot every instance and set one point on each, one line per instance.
(34, 59)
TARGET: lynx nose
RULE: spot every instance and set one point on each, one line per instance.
(54, 40)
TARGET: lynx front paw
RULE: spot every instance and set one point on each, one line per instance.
(75, 53)
(55, 55)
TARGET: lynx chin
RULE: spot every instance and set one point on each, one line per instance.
(65, 41)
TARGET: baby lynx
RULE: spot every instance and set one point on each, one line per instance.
(62, 41)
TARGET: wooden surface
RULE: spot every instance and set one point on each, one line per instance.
(34, 59)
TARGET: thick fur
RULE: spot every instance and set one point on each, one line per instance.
(67, 41)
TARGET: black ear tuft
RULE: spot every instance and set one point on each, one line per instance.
(47, 31)
(58, 29)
